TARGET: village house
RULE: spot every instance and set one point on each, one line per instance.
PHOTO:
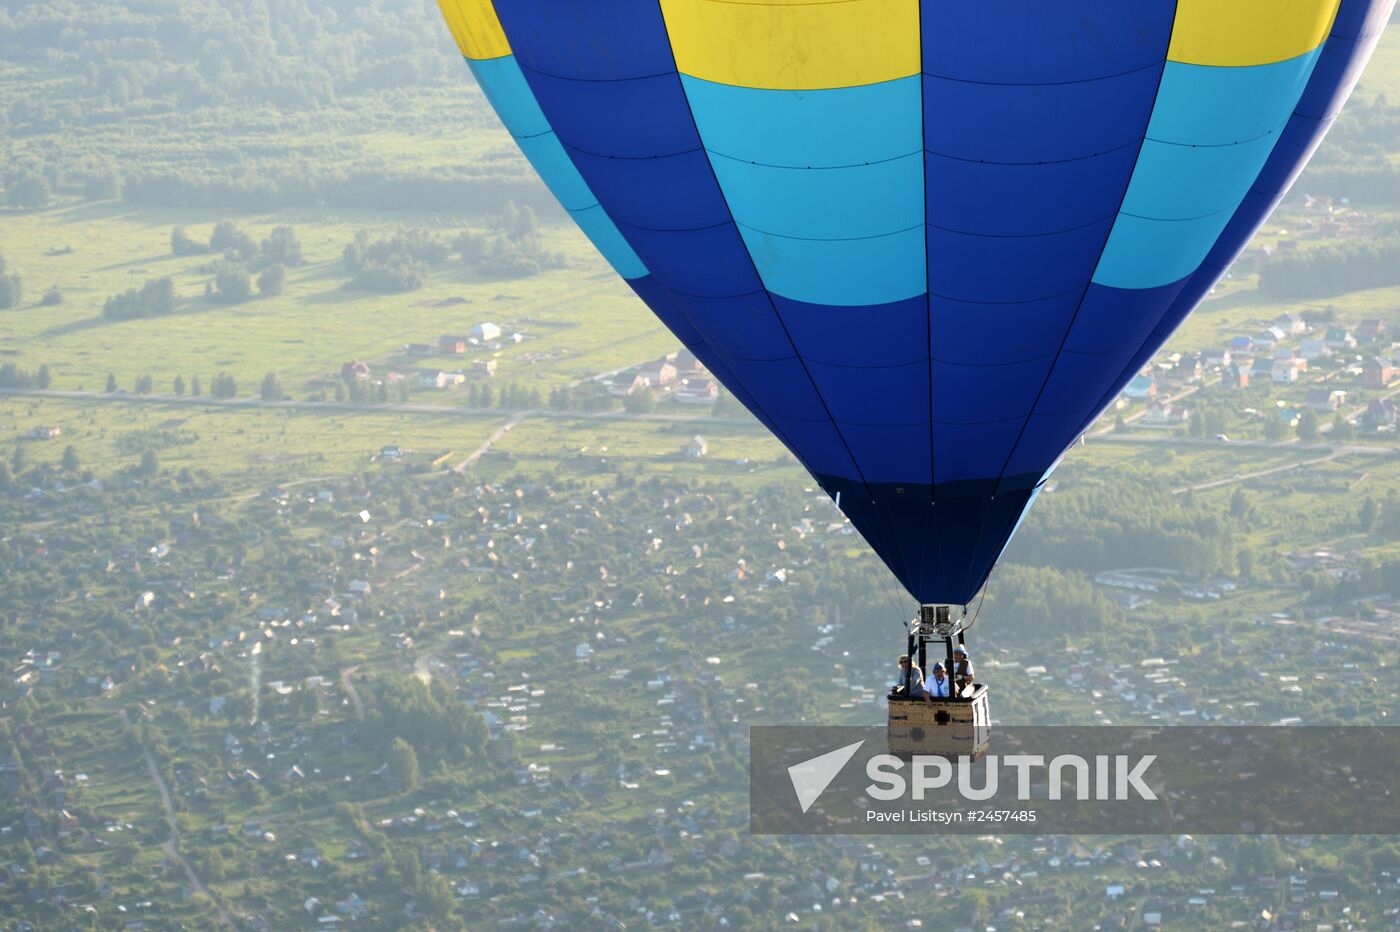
(42, 433)
(1291, 324)
(436, 378)
(658, 373)
(485, 332)
(1165, 414)
(1236, 375)
(1314, 349)
(626, 383)
(1269, 337)
(1324, 400)
(354, 370)
(697, 391)
(1377, 373)
(695, 447)
(1380, 413)
(1288, 369)
(484, 368)
(450, 345)
(1340, 338)
(1215, 358)
(1370, 330)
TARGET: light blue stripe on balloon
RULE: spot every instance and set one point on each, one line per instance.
(844, 273)
(1210, 105)
(599, 227)
(553, 164)
(505, 87)
(827, 186)
(1180, 182)
(509, 93)
(825, 203)
(801, 129)
(1212, 130)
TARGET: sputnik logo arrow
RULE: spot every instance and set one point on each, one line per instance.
(811, 777)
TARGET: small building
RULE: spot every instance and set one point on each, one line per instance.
(1291, 324)
(1377, 373)
(1215, 358)
(697, 391)
(626, 383)
(1324, 400)
(432, 378)
(687, 365)
(1165, 414)
(658, 373)
(1380, 413)
(695, 447)
(484, 368)
(1314, 349)
(1339, 338)
(42, 433)
(1370, 330)
(485, 332)
(354, 370)
(450, 345)
(1286, 371)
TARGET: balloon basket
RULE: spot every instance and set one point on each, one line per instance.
(945, 727)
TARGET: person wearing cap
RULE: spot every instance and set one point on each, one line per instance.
(911, 679)
(962, 668)
(936, 686)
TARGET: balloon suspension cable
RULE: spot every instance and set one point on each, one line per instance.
(981, 599)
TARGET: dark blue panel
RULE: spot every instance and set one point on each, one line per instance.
(1020, 200)
(890, 454)
(820, 448)
(1035, 42)
(1358, 18)
(980, 394)
(627, 119)
(875, 395)
(708, 262)
(981, 333)
(742, 327)
(973, 451)
(1037, 123)
(1119, 318)
(780, 386)
(1003, 269)
(881, 335)
(593, 41)
(1043, 439)
(1078, 381)
(661, 193)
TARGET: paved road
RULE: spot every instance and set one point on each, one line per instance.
(205, 401)
(172, 844)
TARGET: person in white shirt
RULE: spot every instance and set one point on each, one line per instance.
(936, 686)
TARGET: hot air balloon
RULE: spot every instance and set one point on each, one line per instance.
(925, 243)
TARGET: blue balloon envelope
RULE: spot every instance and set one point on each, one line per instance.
(925, 243)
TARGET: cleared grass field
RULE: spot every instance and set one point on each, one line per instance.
(577, 322)
(239, 443)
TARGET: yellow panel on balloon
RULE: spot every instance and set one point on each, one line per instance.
(476, 28)
(794, 44)
(1248, 32)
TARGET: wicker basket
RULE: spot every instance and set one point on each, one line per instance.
(949, 727)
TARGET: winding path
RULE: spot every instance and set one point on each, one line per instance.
(172, 844)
